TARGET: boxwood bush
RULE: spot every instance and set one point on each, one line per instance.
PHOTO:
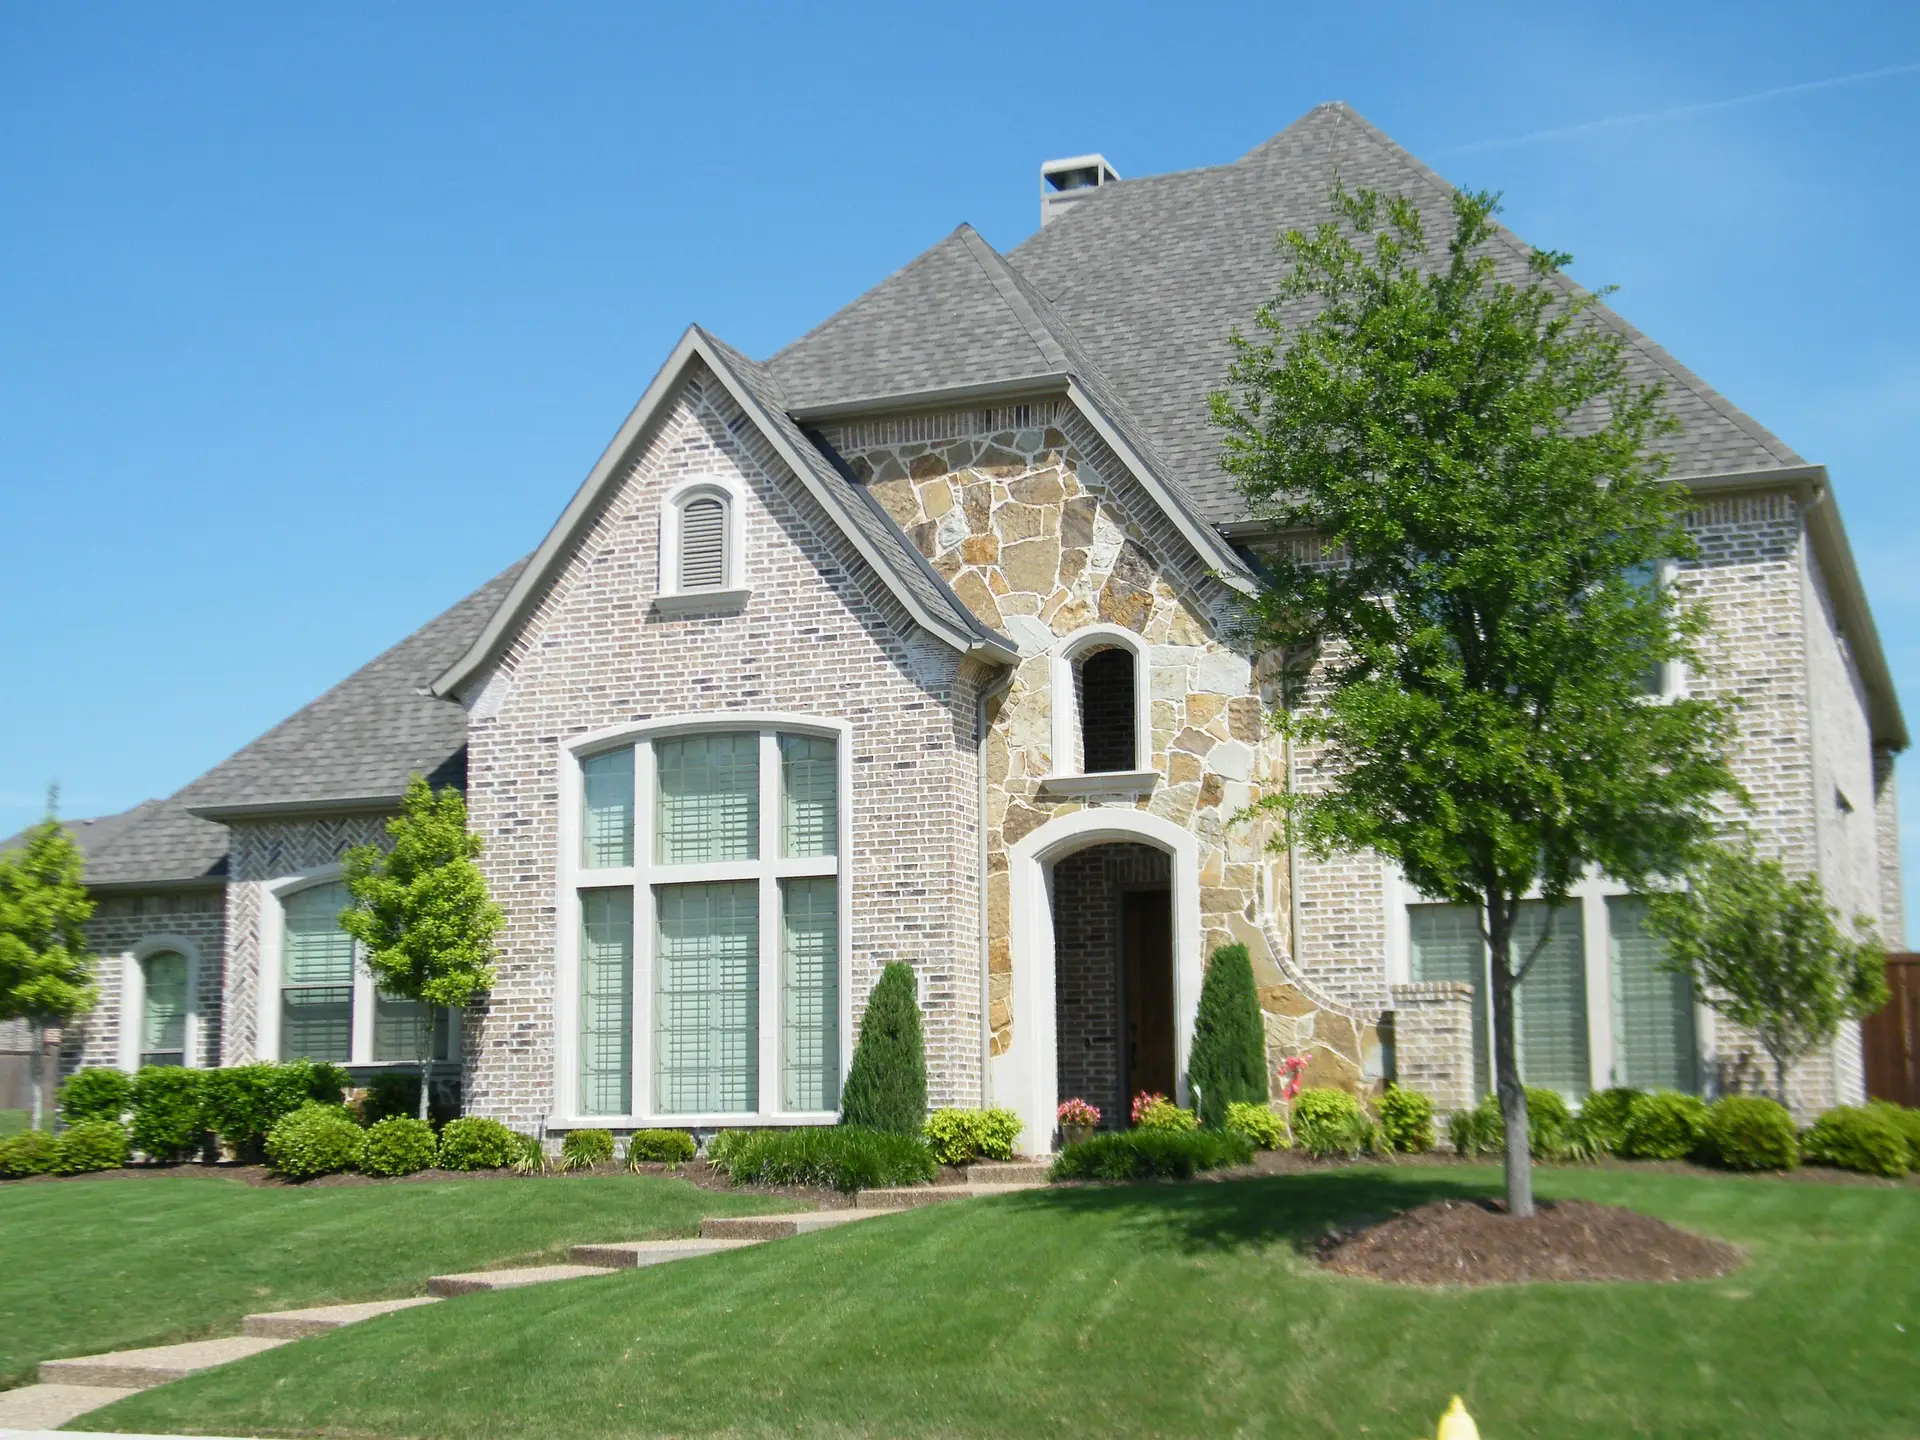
(31, 1152)
(959, 1137)
(242, 1103)
(90, 1145)
(473, 1142)
(1329, 1123)
(1904, 1119)
(315, 1140)
(842, 1157)
(1406, 1121)
(1603, 1115)
(169, 1122)
(1664, 1125)
(1140, 1154)
(663, 1147)
(1264, 1129)
(584, 1149)
(1748, 1132)
(1854, 1137)
(398, 1145)
(96, 1093)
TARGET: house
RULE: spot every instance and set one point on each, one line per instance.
(920, 641)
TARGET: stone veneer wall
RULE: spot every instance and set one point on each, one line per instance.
(820, 635)
(121, 923)
(1087, 887)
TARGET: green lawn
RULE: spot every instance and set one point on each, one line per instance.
(107, 1264)
(1152, 1310)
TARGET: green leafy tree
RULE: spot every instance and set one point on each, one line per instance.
(1471, 506)
(1228, 1062)
(887, 1082)
(46, 970)
(1766, 950)
(421, 911)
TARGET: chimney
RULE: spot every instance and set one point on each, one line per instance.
(1067, 182)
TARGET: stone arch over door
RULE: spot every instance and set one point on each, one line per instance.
(1024, 1077)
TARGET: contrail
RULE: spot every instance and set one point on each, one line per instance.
(1618, 122)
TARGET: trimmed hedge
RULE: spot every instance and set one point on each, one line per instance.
(89, 1146)
(662, 1147)
(1152, 1155)
(398, 1145)
(1406, 1121)
(1904, 1119)
(242, 1103)
(1664, 1125)
(842, 1157)
(474, 1142)
(1854, 1137)
(31, 1152)
(1264, 1129)
(96, 1093)
(961, 1136)
(1329, 1123)
(1747, 1132)
(169, 1120)
(584, 1149)
(315, 1140)
(886, 1085)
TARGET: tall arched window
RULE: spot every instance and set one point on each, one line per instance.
(1104, 682)
(1102, 725)
(163, 1018)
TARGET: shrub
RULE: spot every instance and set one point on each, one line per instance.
(1266, 1130)
(169, 1121)
(1906, 1121)
(474, 1142)
(1156, 1112)
(1664, 1125)
(315, 1140)
(1747, 1132)
(398, 1145)
(1604, 1117)
(961, 1136)
(1552, 1131)
(1228, 1062)
(1853, 1137)
(666, 1147)
(1476, 1132)
(244, 1102)
(1331, 1122)
(887, 1082)
(584, 1149)
(1406, 1121)
(529, 1155)
(96, 1093)
(1152, 1155)
(31, 1152)
(91, 1145)
(397, 1092)
(843, 1157)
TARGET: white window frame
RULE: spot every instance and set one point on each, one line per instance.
(1069, 775)
(573, 877)
(133, 999)
(672, 597)
(1675, 682)
(273, 932)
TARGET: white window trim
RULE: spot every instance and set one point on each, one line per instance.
(1675, 681)
(643, 875)
(1069, 774)
(733, 591)
(273, 930)
(133, 999)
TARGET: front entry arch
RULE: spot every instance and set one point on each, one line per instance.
(1025, 1076)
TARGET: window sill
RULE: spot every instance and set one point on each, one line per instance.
(682, 602)
(1106, 782)
(731, 1120)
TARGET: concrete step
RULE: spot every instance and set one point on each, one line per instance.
(442, 1286)
(142, 1369)
(1009, 1172)
(48, 1407)
(778, 1227)
(633, 1253)
(912, 1196)
(298, 1324)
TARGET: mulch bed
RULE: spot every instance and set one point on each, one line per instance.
(1469, 1242)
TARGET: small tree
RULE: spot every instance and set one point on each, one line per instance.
(422, 913)
(1228, 1063)
(1765, 950)
(46, 970)
(887, 1082)
(1469, 505)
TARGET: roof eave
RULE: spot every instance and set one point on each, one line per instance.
(1049, 383)
(325, 805)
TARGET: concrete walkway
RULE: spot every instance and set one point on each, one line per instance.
(70, 1388)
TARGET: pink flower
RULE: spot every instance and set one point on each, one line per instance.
(1077, 1112)
(1142, 1101)
(1291, 1068)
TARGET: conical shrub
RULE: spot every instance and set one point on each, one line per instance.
(1228, 1064)
(887, 1083)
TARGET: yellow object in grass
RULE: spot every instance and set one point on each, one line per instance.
(1456, 1424)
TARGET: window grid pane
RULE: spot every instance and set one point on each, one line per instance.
(810, 994)
(607, 819)
(606, 1002)
(399, 1025)
(1447, 946)
(1551, 1007)
(1653, 1024)
(709, 799)
(316, 998)
(707, 998)
(163, 1030)
(810, 796)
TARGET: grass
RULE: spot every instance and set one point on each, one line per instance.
(1144, 1310)
(89, 1266)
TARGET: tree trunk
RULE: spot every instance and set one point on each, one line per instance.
(426, 1057)
(1506, 1065)
(1780, 1076)
(39, 1033)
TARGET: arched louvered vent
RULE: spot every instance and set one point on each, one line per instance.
(703, 544)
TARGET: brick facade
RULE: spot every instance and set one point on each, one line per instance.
(125, 926)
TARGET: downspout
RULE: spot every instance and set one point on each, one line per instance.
(986, 697)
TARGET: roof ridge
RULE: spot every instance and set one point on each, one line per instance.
(1002, 277)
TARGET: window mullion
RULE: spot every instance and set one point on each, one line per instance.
(646, 929)
(771, 812)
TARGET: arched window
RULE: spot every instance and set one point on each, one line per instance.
(702, 555)
(1104, 684)
(1102, 725)
(163, 1017)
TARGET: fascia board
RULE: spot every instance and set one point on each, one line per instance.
(945, 397)
(266, 809)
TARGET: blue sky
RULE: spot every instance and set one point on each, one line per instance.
(311, 320)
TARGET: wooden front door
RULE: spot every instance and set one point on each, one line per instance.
(1892, 1036)
(1146, 969)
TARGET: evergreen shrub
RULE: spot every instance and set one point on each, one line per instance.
(1266, 1130)
(661, 1147)
(886, 1085)
(584, 1149)
(244, 1102)
(1228, 1062)
(1664, 1125)
(97, 1093)
(398, 1145)
(31, 1152)
(474, 1142)
(1328, 1123)
(1854, 1137)
(959, 1137)
(1604, 1116)
(1406, 1121)
(169, 1120)
(89, 1146)
(315, 1140)
(1749, 1132)
(1906, 1120)
(1142, 1154)
(841, 1157)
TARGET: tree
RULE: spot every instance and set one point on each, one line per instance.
(887, 1082)
(1228, 1062)
(421, 911)
(46, 970)
(1468, 500)
(1765, 950)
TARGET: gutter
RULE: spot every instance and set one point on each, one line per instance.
(263, 810)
